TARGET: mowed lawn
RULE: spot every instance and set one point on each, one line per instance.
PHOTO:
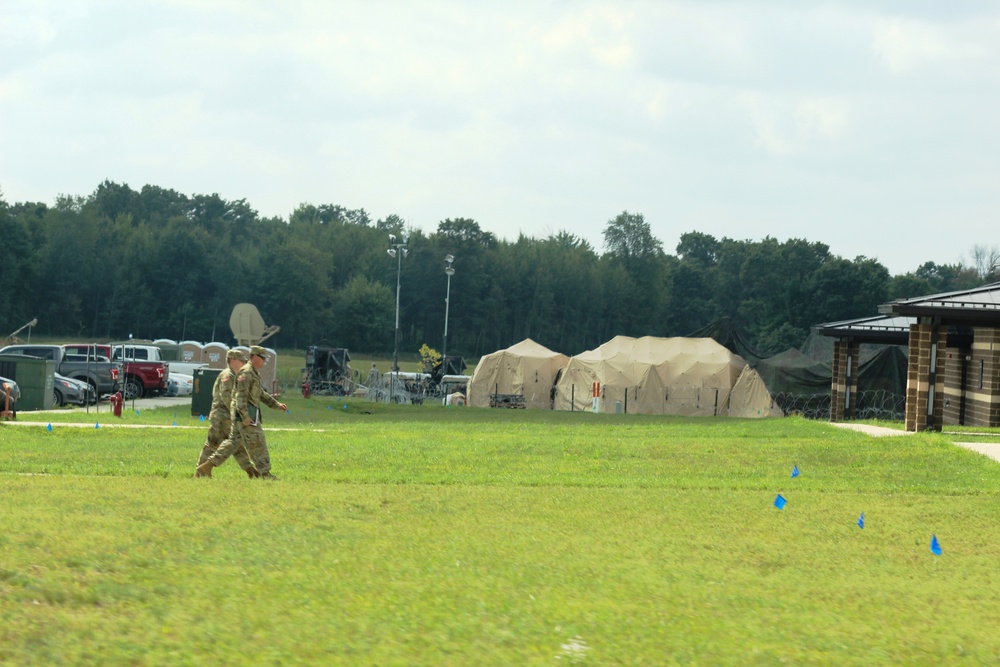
(411, 535)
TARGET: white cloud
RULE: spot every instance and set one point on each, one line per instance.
(786, 126)
(527, 116)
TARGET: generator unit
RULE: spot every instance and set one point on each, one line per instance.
(327, 372)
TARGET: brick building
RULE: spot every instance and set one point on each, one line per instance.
(953, 368)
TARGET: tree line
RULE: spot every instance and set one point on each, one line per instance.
(156, 263)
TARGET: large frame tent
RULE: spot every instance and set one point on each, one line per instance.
(650, 375)
(526, 369)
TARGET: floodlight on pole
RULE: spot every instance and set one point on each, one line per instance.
(399, 251)
(449, 271)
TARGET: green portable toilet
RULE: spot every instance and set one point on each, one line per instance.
(201, 397)
(34, 377)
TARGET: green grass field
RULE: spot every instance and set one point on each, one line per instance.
(423, 535)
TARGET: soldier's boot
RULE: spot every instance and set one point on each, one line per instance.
(206, 451)
(204, 470)
(252, 472)
(267, 475)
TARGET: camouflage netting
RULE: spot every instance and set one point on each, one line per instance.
(799, 380)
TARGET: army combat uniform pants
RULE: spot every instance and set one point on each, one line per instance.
(249, 439)
(218, 431)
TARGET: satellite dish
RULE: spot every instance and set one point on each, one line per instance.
(247, 324)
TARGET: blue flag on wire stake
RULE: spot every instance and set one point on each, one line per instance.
(795, 471)
(780, 502)
(935, 546)
(49, 428)
(97, 425)
(201, 418)
(137, 412)
(861, 521)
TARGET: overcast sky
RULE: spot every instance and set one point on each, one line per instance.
(871, 127)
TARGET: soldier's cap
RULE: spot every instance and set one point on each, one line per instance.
(259, 351)
(236, 354)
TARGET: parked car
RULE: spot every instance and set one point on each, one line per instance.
(67, 390)
(15, 393)
(179, 384)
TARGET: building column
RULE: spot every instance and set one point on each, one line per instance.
(925, 377)
(844, 384)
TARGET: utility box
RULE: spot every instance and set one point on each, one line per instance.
(34, 377)
(201, 397)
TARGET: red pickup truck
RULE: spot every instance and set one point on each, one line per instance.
(139, 378)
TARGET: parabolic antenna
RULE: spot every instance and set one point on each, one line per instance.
(247, 324)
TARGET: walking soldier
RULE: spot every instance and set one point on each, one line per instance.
(246, 416)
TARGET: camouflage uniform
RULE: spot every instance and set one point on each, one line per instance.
(222, 397)
(248, 392)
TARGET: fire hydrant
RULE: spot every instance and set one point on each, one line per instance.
(116, 403)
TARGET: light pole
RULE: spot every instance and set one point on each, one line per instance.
(399, 251)
(449, 271)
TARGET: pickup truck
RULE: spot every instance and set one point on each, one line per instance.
(139, 377)
(92, 366)
(153, 353)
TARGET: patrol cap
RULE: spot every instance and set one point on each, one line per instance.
(259, 351)
(236, 354)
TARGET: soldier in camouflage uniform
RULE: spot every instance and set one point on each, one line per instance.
(222, 397)
(246, 416)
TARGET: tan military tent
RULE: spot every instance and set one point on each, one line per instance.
(648, 375)
(750, 397)
(526, 369)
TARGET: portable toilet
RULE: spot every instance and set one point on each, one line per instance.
(214, 354)
(191, 351)
(269, 372)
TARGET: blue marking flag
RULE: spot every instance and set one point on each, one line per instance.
(795, 471)
(861, 521)
(201, 418)
(345, 406)
(935, 546)
(96, 425)
(137, 412)
(175, 423)
(780, 502)
(49, 428)
(328, 407)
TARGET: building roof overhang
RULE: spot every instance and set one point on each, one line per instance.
(978, 306)
(877, 329)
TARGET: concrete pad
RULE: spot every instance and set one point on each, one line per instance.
(990, 449)
(868, 429)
